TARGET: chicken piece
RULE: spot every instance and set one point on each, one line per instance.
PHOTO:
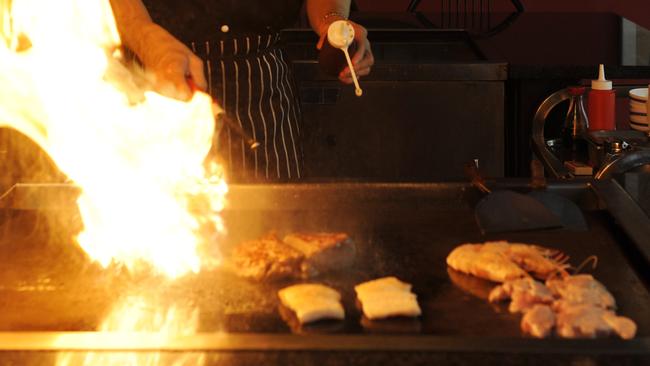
(524, 294)
(323, 252)
(581, 289)
(312, 302)
(266, 259)
(538, 321)
(489, 262)
(624, 327)
(589, 321)
(387, 297)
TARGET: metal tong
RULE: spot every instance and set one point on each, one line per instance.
(228, 122)
(238, 130)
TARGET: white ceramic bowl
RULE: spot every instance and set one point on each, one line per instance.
(639, 94)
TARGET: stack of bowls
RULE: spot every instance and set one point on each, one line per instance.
(639, 109)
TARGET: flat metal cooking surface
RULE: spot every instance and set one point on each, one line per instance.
(406, 230)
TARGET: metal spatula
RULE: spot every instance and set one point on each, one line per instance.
(566, 210)
(506, 211)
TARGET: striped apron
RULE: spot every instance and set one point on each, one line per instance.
(251, 80)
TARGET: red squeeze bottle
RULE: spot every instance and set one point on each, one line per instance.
(601, 105)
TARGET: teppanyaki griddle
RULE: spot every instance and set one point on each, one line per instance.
(405, 230)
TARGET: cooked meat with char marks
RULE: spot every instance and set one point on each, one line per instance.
(266, 259)
(324, 252)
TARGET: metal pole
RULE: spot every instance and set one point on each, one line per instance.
(413, 6)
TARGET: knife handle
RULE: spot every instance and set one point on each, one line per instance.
(228, 122)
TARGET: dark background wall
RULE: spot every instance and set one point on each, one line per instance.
(636, 10)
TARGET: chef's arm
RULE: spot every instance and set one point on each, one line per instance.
(168, 59)
(322, 13)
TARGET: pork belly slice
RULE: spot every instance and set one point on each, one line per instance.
(266, 259)
(387, 297)
(590, 321)
(312, 302)
(582, 289)
(323, 251)
(538, 321)
(524, 293)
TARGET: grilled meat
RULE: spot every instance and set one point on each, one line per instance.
(266, 259)
(323, 252)
(538, 321)
(590, 321)
(577, 306)
(501, 261)
(581, 289)
(489, 264)
(524, 293)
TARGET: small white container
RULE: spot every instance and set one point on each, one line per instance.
(639, 95)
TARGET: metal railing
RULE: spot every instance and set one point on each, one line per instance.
(554, 166)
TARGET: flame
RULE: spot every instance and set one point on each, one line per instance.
(137, 156)
(140, 317)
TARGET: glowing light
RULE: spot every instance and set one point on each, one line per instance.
(138, 318)
(138, 156)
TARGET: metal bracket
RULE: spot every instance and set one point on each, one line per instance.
(624, 163)
(551, 163)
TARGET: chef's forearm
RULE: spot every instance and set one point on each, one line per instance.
(137, 31)
(323, 12)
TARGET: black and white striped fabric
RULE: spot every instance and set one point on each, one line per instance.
(250, 78)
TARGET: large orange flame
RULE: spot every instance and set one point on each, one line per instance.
(153, 322)
(138, 156)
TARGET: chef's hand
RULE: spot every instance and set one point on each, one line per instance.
(172, 64)
(362, 60)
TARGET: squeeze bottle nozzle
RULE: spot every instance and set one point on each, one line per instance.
(601, 83)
